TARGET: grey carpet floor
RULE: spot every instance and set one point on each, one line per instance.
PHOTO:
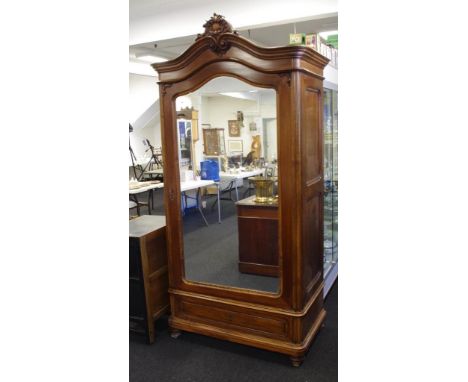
(198, 358)
(211, 252)
(194, 357)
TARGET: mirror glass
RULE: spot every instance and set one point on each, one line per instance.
(229, 181)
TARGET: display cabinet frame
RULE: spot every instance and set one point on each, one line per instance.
(287, 321)
(330, 127)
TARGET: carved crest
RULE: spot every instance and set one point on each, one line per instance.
(215, 27)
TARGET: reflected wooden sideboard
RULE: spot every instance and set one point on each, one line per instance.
(258, 237)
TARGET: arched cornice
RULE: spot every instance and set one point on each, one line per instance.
(220, 43)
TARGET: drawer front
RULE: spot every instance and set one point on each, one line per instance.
(242, 321)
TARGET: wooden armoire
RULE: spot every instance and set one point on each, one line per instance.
(286, 321)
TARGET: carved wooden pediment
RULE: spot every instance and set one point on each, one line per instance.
(220, 38)
(215, 27)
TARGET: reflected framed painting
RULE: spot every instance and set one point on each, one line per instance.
(234, 129)
(235, 146)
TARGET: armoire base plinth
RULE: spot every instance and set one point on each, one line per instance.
(296, 351)
(175, 333)
(297, 361)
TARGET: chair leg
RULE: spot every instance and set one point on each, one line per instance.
(214, 204)
(137, 205)
(150, 198)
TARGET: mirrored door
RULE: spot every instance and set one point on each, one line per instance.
(230, 195)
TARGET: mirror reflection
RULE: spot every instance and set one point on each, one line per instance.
(227, 138)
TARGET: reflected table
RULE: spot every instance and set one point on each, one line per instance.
(232, 178)
(198, 185)
(141, 187)
(184, 187)
(154, 174)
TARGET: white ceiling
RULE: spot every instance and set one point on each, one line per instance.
(226, 84)
(274, 35)
(172, 25)
(156, 20)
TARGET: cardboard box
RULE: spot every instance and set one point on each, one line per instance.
(296, 38)
(311, 40)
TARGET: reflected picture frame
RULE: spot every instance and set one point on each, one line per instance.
(234, 129)
(235, 146)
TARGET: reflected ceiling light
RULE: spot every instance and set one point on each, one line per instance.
(247, 95)
(235, 95)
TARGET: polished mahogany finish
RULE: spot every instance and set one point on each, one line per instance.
(286, 321)
(258, 237)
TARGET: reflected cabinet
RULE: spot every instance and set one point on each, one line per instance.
(257, 277)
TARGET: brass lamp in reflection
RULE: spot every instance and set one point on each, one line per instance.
(264, 189)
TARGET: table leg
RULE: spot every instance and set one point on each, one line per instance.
(199, 206)
(135, 199)
(237, 192)
(219, 206)
(150, 195)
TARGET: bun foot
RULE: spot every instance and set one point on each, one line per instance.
(175, 333)
(296, 361)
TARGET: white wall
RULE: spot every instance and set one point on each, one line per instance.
(217, 110)
(144, 94)
(331, 77)
(270, 132)
(221, 109)
(160, 20)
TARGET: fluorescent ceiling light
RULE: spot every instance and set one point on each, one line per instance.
(326, 34)
(150, 59)
(235, 95)
(242, 95)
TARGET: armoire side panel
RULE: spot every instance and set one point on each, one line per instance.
(312, 177)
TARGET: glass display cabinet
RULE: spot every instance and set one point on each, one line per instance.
(185, 142)
(330, 196)
(257, 278)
